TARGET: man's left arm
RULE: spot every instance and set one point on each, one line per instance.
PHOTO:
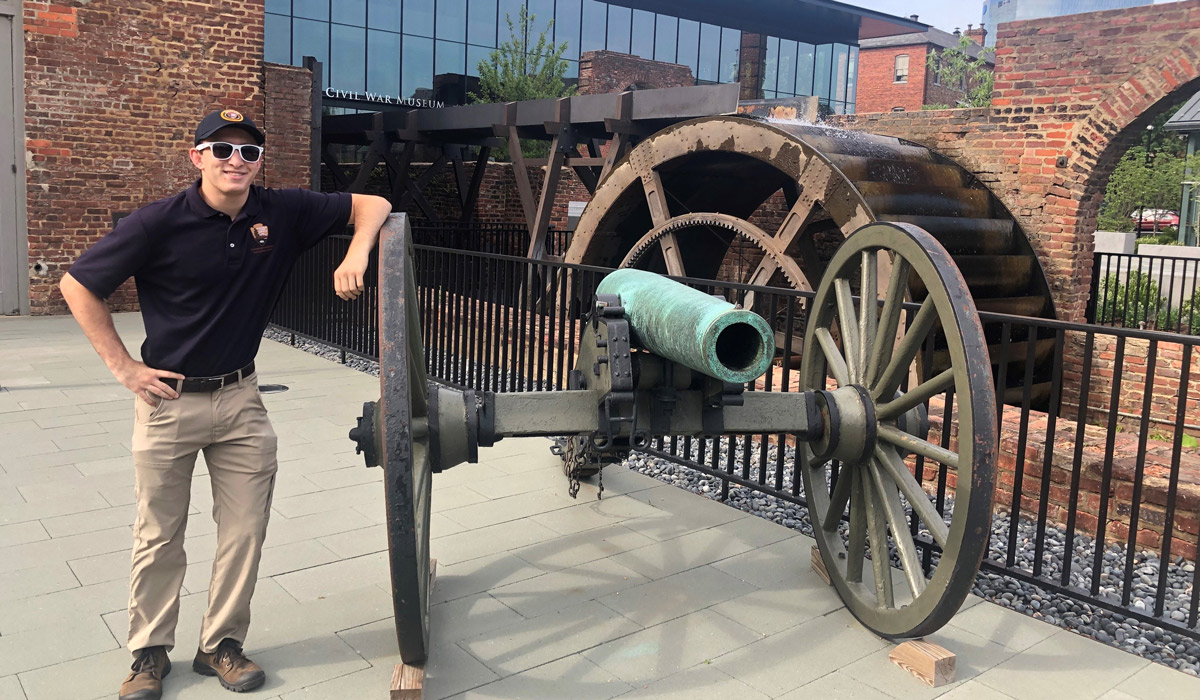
(367, 213)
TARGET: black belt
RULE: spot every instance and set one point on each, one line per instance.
(213, 383)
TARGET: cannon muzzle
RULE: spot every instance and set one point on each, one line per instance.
(702, 332)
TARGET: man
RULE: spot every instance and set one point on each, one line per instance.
(209, 264)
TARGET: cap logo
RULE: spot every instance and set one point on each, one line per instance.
(230, 115)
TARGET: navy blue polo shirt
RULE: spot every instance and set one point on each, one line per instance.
(207, 284)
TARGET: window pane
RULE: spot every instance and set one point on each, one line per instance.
(710, 52)
(348, 62)
(823, 64)
(383, 62)
(805, 55)
(771, 67)
(350, 12)
(566, 26)
(642, 43)
(689, 44)
(841, 64)
(542, 12)
(852, 82)
(418, 19)
(312, 9)
(572, 74)
(418, 67)
(451, 58)
(383, 14)
(282, 7)
(311, 38)
(595, 21)
(787, 68)
(277, 39)
(666, 30)
(619, 19)
(481, 22)
(450, 19)
(512, 10)
(475, 54)
(731, 44)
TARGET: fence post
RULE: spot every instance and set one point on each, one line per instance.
(1094, 288)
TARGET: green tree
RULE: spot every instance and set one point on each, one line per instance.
(521, 69)
(954, 66)
(1142, 179)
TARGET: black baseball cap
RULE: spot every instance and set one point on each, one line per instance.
(214, 122)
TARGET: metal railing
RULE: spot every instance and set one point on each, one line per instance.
(1145, 291)
(1098, 497)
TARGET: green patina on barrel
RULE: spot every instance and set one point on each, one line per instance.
(696, 330)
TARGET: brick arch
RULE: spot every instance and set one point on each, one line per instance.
(1101, 137)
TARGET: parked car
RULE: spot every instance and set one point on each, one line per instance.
(1154, 219)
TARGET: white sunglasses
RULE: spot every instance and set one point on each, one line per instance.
(224, 151)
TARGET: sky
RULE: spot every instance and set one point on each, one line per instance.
(943, 14)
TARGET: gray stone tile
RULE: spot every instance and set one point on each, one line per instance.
(675, 596)
(55, 459)
(510, 508)
(63, 549)
(1063, 665)
(453, 549)
(1156, 681)
(336, 499)
(346, 476)
(785, 560)
(468, 617)
(15, 480)
(79, 523)
(68, 504)
(582, 547)
(60, 609)
(785, 661)
(664, 650)
(102, 567)
(95, 676)
(284, 530)
(1005, 627)
(974, 690)
(703, 682)
(10, 688)
(283, 559)
(567, 588)
(547, 638)
(574, 676)
(782, 605)
(342, 575)
(591, 514)
(47, 646)
(697, 548)
(478, 575)
(1117, 695)
(22, 533)
(840, 685)
(295, 666)
(356, 543)
(36, 581)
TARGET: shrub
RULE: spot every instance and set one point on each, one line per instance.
(1131, 304)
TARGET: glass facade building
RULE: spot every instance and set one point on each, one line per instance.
(430, 49)
(999, 11)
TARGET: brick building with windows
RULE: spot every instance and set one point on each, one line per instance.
(896, 74)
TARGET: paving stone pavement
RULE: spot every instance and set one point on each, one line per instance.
(652, 592)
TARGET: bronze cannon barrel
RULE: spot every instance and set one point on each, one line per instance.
(702, 332)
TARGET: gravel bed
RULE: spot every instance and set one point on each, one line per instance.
(1144, 639)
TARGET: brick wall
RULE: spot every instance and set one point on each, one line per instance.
(602, 72)
(878, 90)
(288, 125)
(113, 92)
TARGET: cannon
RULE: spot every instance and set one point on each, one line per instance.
(657, 358)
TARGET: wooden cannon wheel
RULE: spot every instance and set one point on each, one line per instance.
(866, 351)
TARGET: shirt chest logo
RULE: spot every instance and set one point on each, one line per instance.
(259, 232)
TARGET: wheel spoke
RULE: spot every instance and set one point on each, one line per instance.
(837, 500)
(848, 323)
(868, 308)
(885, 596)
(911, 443)
(906, 352)
(916, 396)
(670, 252)
(889, 319)
(833, 357)
(895, 468)
(856, 548)
(893, 511)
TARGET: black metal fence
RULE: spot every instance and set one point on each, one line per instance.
(496, 238)
(1098, 497)
(1145, 291)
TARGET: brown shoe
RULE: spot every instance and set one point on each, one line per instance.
(145, 680)
(230, 666)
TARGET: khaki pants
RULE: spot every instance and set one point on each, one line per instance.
(230, 425)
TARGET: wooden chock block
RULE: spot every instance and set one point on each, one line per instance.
(930, 662)
(408, 682)
(818, 565)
